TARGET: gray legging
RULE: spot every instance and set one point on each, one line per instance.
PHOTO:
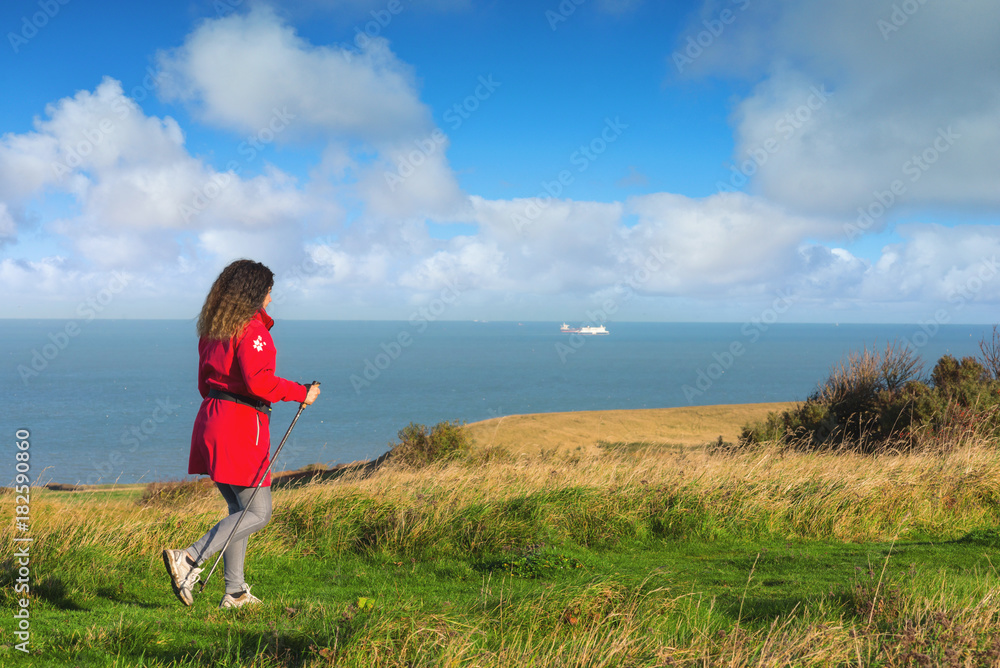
(258, 515)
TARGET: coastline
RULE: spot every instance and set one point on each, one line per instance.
(581, 431)
(120, 434)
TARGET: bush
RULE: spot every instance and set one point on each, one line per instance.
(858, 392)
(961, 380)
(991, 354)
(873, 401)
(419, 447)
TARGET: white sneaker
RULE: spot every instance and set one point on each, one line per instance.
(183, 576)
(239, 599)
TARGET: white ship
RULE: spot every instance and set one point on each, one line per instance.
(566, 329)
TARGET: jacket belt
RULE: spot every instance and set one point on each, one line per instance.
(262, 406)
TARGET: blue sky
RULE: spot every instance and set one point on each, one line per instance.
(689, 161)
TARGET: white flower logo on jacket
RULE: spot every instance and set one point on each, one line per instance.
(259, 344)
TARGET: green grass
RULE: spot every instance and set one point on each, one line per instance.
(647, 558)
(95, 611)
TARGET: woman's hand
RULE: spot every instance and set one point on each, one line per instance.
(312, 394)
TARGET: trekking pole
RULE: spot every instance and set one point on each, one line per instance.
(259, 483)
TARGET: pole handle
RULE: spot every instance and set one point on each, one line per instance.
(310, 386)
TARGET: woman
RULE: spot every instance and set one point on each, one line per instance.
(230, 441)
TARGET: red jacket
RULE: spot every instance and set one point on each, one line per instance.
(230, 441)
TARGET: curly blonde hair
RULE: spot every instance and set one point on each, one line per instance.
(237, 294)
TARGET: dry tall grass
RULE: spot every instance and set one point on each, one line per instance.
(768, 490)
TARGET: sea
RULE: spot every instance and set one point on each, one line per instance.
(113, 401)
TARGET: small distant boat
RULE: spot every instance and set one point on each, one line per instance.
(591, 331)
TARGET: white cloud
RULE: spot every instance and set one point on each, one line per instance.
(359, 222)
(372, 266)
(54, 288)
(253, 74)
(8, 228)
(894, 93)
(828, 274)
(26, 162)
(935, 263)
(126, 250)
(411, 181)
(719, 242)
(244, 70)
(140, 201)
(134, 186)
(552, 245)
(933, 269)
(720, 245)
(274, 247)
(466, 264)
(38, 278)
(102, 129)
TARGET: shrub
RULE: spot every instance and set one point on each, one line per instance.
(419, 447)
(962, 381)
(991, 354)
(857, 393)
(872, 401)
(851, 406)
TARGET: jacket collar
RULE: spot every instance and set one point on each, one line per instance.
(262, 316)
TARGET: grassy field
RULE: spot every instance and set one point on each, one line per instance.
(585, 430)
(624, 555)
